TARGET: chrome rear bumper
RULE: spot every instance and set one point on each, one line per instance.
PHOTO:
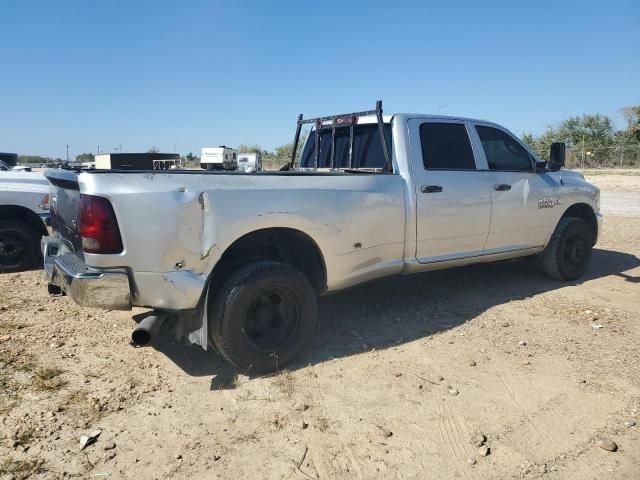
(88, 287)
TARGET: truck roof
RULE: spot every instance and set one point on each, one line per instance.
(389, 118)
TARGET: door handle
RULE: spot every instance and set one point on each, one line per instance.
(502, 187)
(431, 188)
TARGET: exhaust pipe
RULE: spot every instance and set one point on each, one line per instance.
(147, 329)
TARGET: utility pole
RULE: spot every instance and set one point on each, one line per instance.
(67, 153)
(582, 166)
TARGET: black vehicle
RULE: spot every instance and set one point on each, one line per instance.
(8, 160)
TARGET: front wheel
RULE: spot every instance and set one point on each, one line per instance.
(263, 316)
(569, 251)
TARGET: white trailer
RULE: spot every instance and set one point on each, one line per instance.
(219, 158)
(249, 162)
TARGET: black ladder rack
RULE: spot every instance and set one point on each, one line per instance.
(340, 121)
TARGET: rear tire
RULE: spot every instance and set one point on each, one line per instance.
(263, 316)
(569, 251)
(19, 246)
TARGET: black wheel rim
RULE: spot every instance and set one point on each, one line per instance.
(12, 249)
(575, 250)
(271, 319)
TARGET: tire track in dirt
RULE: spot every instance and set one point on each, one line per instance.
(454, 441)
(531, 408)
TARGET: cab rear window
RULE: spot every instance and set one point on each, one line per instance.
(367, 148)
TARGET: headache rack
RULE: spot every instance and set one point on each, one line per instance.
(340, 121)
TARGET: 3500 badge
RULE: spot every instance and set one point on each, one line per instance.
(548, 202)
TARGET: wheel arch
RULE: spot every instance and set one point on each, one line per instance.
(24, 214)
(586, 213)
(282, 244)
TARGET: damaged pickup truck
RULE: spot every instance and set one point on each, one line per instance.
(240, 259)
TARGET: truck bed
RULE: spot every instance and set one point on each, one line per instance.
(188, 218)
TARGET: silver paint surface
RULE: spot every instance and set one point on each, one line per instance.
(175, 227)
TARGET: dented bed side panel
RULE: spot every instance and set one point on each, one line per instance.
(176, 227)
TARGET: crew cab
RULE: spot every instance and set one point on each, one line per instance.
(24, 215)
(240, 259)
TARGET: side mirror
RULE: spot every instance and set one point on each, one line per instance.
(556, 156)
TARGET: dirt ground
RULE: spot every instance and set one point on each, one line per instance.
(404, 376)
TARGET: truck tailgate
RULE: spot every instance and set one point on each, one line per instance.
(65, 206)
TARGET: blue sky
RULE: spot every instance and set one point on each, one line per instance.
(197, 73)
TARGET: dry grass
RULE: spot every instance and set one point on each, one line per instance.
(8, 326)
(286, 383)
(77, 404)
(323, 424)
(6, 406)
(25, 436)
(251, 437)
(20, 469)
(8, 394)
(48, 378)
(278, 422)
(274, 163)
(5, 383)
(610, 171)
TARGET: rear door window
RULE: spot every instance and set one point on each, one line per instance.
(367, 147)
(446, 146)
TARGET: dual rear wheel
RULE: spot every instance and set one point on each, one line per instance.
(262, 317)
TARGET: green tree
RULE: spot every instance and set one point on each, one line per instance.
(190, 160)
(529, 139)
(243, 148)
(85, 157)
(595, 129)
(34, 159)
(190, 157)
(283, 152)
(632, 117)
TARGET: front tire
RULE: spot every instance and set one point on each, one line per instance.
(569, 251)
(19, 246)
(263, 316)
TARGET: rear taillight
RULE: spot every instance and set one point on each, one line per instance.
(98, 226)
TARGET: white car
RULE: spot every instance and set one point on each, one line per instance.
(249, 162)
(24, 216)
(240, 258)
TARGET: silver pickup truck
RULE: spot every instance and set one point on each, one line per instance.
(24, 216)
(239, 259)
